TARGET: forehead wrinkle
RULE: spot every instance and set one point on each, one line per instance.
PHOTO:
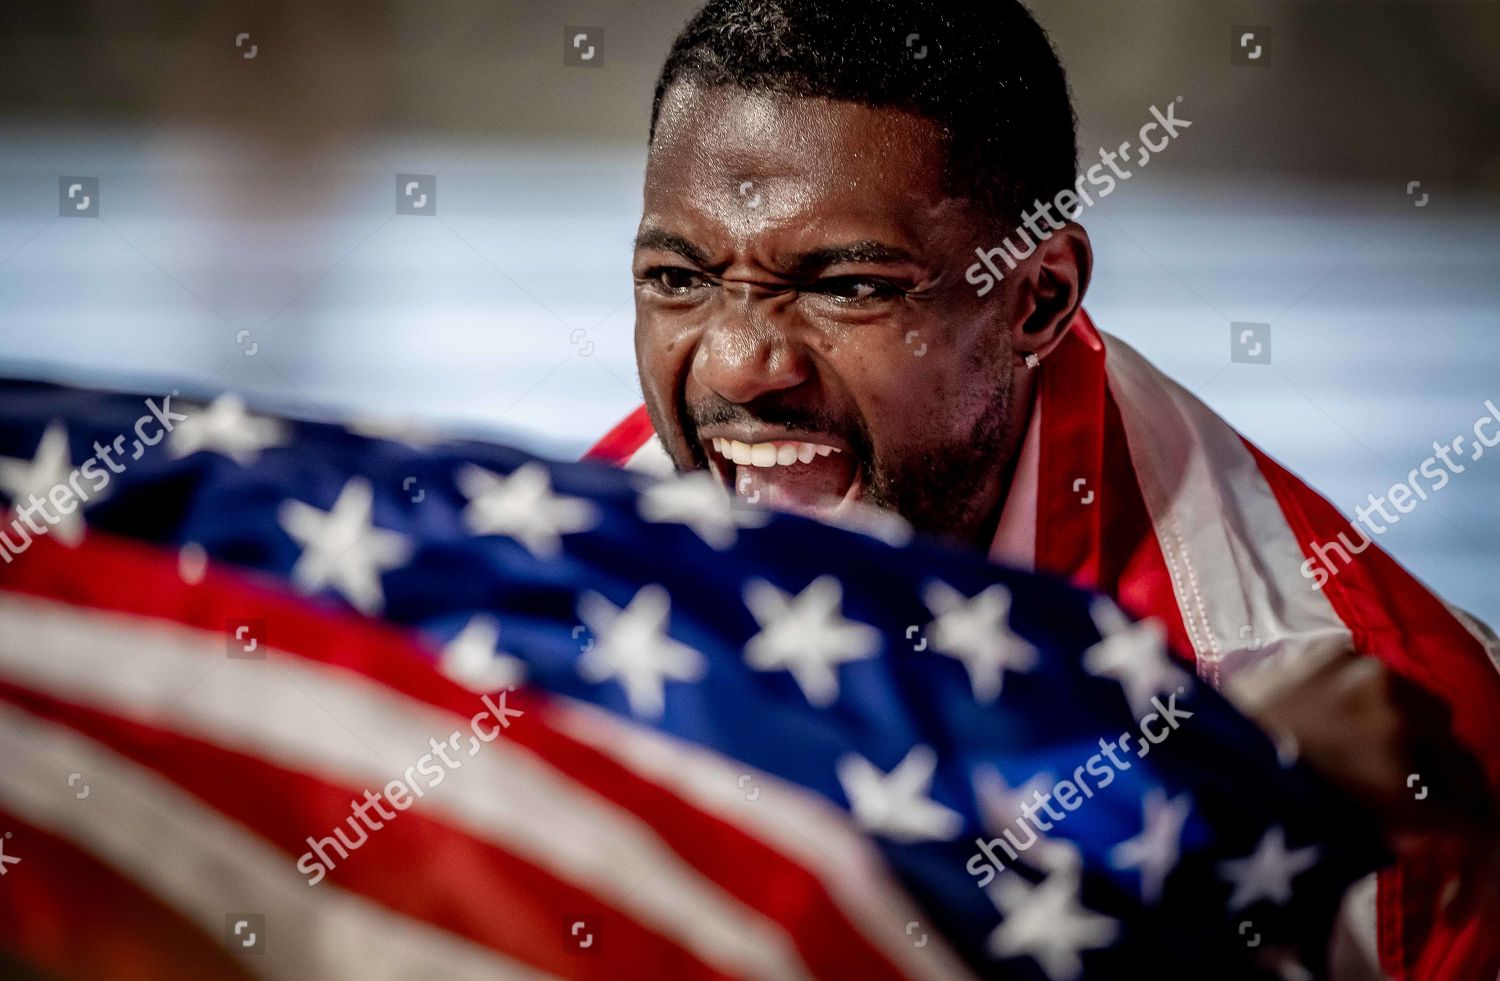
(726, 134)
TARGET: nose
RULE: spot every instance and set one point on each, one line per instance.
(744, 355)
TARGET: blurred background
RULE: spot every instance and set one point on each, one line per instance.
(1340, 183)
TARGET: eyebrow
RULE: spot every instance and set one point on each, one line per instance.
(865, 250)
(664, 241)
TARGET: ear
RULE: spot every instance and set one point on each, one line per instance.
(1053, 281)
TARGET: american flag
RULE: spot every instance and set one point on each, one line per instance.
(293, 699)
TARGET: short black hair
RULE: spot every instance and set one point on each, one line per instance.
(982, 69)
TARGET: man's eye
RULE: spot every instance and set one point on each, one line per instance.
(675, 279)
(853, 289)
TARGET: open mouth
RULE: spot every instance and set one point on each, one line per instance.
(811, 478)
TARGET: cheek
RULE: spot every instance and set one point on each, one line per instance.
(895, 386)
(920, 398)
(660, 351)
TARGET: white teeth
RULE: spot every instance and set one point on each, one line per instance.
(782, 454)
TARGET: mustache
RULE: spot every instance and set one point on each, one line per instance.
(722, 412)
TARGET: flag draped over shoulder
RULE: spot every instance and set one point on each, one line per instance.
(1129, 484)
(284, 699)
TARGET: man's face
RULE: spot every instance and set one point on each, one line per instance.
(803, 326)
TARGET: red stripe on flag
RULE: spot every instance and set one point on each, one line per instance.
(1071, 397)
(1395, 618)
(753, 872)
(128, 577)
(414, 865)
(65, 914)
(1092, 524)
(622, 442)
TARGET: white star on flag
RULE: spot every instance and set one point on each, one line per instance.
(1135, 655)
(522, 506)
(471, 658)
(1000, 808)
(700, 502)
(394, 431)
(806, 635)
(226, 428)
(1155, 850)
(872, 522)
(896, 805)
(976, 631)
(1266, 873)
(1046, 922)
(632, 646)
(342, 548)
(50, 467)
(999, 803)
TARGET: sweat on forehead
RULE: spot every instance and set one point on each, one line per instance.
(721, 137)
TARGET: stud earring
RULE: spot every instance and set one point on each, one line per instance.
(1032, 360)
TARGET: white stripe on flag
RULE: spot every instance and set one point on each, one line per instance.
(1234, 562)
(345, 729)
(795, 822)
(207, 867)
(651, 459)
